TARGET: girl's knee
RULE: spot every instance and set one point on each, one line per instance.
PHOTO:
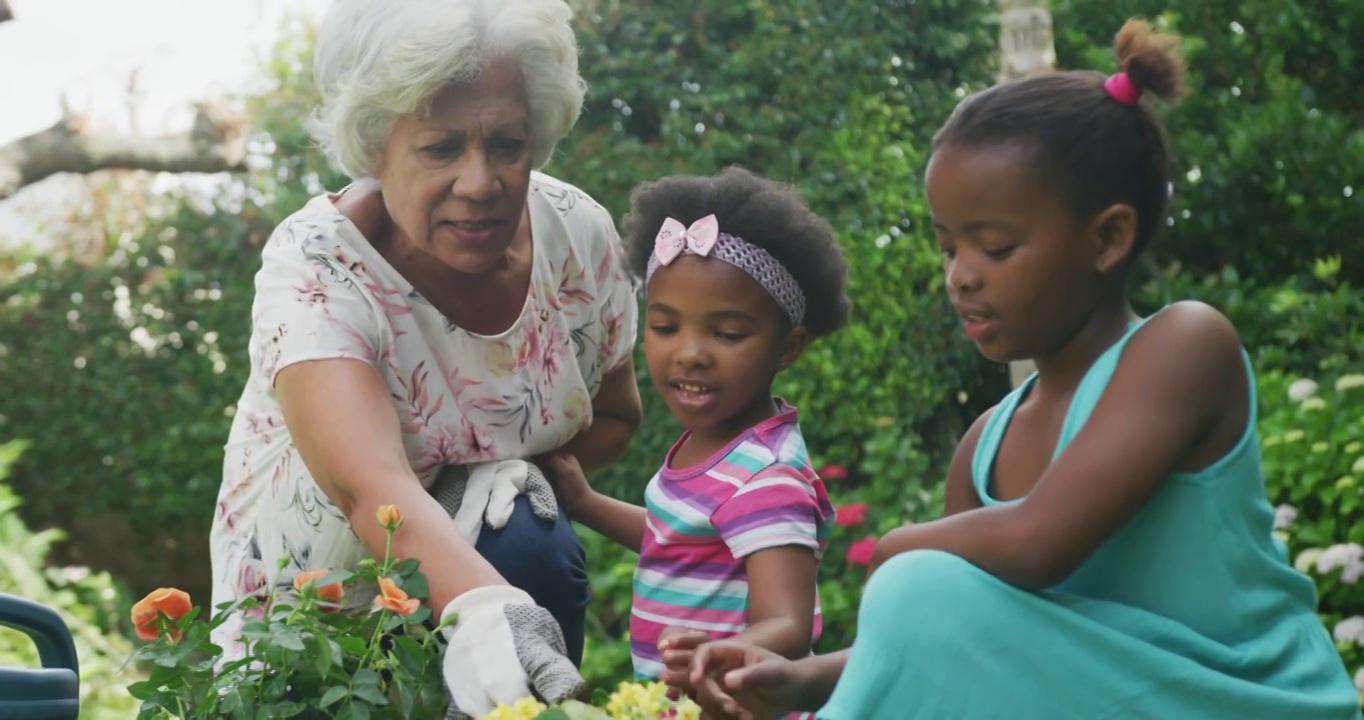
(925, 591)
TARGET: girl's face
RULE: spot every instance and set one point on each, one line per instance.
(1021, 270)
(714, 339)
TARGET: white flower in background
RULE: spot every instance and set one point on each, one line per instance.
(1284, 515)
(1347, 557)
(1302, 389)
(1350, 630)
(1314, 403)
(1307, 559)
(1349, 382)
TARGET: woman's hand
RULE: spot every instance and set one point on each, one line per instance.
(738, 680)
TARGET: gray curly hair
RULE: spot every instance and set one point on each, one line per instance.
(378, 61)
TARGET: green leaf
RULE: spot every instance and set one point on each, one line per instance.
(333, 695)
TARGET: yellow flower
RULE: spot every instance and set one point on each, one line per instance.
(523, 709)
(648, 701)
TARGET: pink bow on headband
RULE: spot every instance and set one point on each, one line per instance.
(673, 239)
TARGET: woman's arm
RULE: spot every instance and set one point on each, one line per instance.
(615, 417)
(342, 421)
(1156, 417)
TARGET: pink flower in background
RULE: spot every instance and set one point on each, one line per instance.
(859, 553)
(851, 515)
(833, 473)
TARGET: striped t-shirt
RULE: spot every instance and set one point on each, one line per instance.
(757, 493)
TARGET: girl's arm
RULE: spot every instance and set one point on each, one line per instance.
(781, 609)
(618, 520)
(961, 492)
(781, 600)
(615, 417)
(1159, 414)
(343, 424)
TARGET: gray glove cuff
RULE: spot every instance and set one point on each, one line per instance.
(454, 479)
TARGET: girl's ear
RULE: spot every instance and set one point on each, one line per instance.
(795, 343)
(1115, 235)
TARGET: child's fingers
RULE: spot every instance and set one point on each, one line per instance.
(679, 660)
(680, 639)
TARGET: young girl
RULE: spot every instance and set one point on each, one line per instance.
(1108, 548)
(740, 276)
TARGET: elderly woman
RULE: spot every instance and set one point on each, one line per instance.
(451, 307)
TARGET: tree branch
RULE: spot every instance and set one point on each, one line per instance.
(215, 143)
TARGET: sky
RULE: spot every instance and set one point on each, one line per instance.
(181, 50)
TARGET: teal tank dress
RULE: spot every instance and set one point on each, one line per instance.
(1190, 610)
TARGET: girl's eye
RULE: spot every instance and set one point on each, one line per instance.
(1001, 253)
(731, 337)
(662, 329)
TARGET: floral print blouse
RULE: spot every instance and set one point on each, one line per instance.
(324, 292)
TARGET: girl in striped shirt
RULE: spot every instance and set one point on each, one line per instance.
(739, 277)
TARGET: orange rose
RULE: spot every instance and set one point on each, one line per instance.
(392, 598)
(172, 603)
(389, 517)
(331, 592)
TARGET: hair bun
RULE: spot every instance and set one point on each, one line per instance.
(1151, 59)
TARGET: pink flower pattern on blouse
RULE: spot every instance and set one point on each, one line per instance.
(323, 292)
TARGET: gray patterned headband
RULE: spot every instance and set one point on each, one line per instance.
(705, 239)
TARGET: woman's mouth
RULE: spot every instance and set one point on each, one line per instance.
(473, 232)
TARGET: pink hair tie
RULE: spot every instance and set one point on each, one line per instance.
(1120, 87)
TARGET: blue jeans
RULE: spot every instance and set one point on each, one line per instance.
(547, 560)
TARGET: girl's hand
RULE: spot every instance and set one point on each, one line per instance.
(567, 478)
(737, 680)
(677, 646)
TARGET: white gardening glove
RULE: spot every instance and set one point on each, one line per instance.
(503, 647)
(486, 493)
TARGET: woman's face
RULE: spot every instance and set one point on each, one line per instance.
(455, 180)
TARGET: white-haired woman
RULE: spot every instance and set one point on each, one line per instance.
(451, 307)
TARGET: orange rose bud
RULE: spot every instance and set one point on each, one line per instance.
(172, 603)
(390, 517)
(331, 592)
(392, 598)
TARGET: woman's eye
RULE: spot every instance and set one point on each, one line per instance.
(731, 337)
(662, 329)
(508, 146)
(440, 150)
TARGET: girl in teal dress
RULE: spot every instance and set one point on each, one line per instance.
(1107, 547)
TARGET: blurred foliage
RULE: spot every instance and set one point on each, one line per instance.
(123, 369)
(88, 602)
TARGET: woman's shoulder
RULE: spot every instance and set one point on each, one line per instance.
(315, 228)
(578, 214)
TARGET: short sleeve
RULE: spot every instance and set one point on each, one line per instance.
(618, 309)
(309, 304)
(777, 507)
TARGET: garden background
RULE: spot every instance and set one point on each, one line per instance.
(122, 346)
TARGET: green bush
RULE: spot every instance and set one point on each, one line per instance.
(1313, 435)
(88, 602)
